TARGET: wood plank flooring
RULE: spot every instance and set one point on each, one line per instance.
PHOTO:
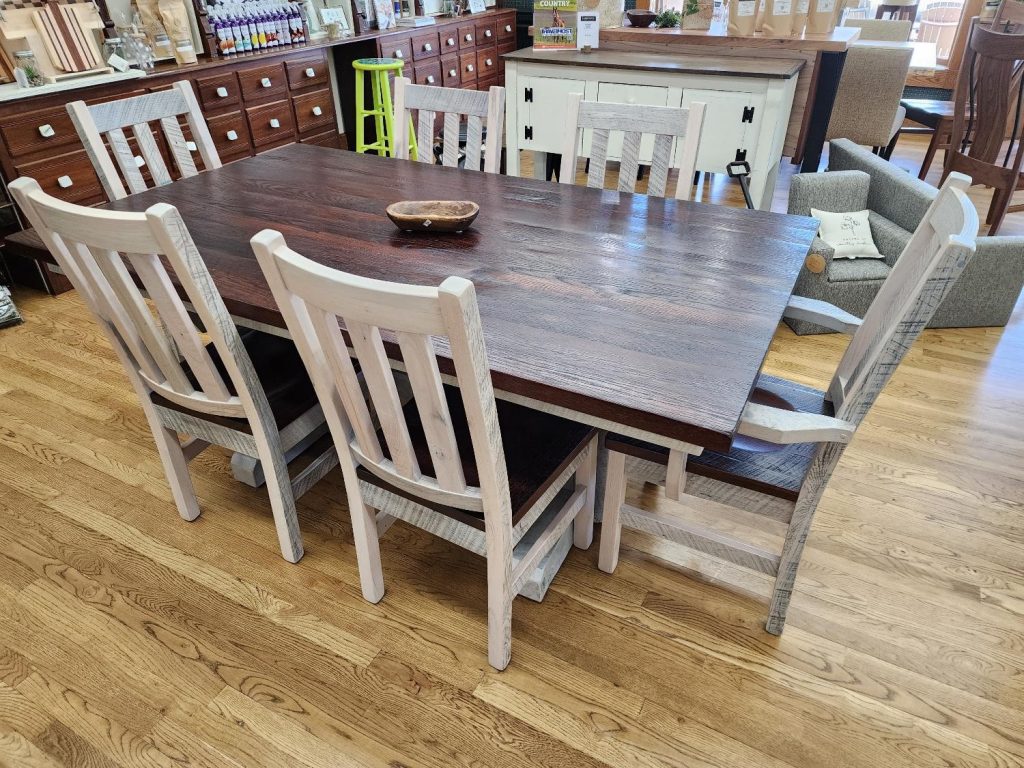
(129, 637)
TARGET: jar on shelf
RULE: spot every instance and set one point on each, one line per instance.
(26, 69)
(114, 46)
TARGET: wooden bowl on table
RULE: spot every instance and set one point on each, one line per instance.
(433, 215)
(641, 18)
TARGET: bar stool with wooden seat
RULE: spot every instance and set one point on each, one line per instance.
(382, 111)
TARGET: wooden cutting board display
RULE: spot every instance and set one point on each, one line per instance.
(66, 41)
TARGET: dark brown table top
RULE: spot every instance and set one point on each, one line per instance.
(647, 312)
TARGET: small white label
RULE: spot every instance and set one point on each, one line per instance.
(782, 8)
(118, 63)
(746, 7)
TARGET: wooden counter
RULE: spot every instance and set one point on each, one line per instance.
(823, 55)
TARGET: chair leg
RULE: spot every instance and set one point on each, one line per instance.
(176, 469)
(367, 541)
(611, 521)
(997, 212)
(583, 525)
(282, 501)
(499, 608)
(929, 155)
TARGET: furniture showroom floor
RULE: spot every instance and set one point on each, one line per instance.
(129, 637)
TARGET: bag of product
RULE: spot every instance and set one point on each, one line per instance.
(800, 9)
(175, 18)
(742, 15)
(778, 18)
(149, 13)
(821, 17)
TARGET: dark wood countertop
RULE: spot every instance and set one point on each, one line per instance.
(718, 36)
(687, 64)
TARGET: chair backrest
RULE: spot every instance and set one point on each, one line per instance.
(930, 264)
(870, 88)
(987, 99)
(417, 322)
(891, 30)
(158, 343)
(109, 119)
(675, 130)
(454, 103)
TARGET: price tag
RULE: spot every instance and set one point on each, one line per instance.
(118, 63)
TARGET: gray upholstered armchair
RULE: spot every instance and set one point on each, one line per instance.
(984, 295)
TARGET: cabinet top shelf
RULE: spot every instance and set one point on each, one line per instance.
(688, 64)
(718, 36)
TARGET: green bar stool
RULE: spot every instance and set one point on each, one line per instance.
(383, 111)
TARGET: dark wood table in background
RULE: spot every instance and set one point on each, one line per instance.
(646, 316)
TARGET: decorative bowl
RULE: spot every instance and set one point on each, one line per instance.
(433, 215)
(641, 18)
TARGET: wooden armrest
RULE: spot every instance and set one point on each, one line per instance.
(783, 427)
(822, 313)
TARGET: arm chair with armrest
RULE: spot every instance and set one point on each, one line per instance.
(985, 294)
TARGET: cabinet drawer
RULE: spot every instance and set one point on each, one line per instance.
(484, 84)
(313, 110)
(397, 47)
(328, 139)
(487, 62)
(39, 131)
(270, 122)
(428, 74)
(305, 73)
(259, 82)
(450, 72)
(509, 47)
(485, 33)
(449, 37)
(219, 91)
(467, 37)
(230, 135)
(69, 177)
(506, 29)
(467, 67)
(426, 46)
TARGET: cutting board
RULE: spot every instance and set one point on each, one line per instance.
(67, 42)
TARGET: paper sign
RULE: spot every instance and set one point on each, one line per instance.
(554, 23)
(589, 30)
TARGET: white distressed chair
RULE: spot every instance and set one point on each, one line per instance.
(791, 437)
(250, 398)
(110, 119)
(498, 479)
(454, 103)
(676, 133)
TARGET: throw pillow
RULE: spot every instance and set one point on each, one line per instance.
(849, 234)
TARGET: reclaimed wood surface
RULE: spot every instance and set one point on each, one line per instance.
(617, 321)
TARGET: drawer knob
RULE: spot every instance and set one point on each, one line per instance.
(469, 38)
(317, 111)
(46, 131)
(428, 47)
(64, 182)
(430, 79)
(232, 135)
(265, 82)
(487, 33)
(139, 161)
(452, 73)
(508, 27)
(399, 54)
(469, 67)
(450, 41)
(310, 72)
(191, 146)
(222, 92)
(275, 123)
(489, 62)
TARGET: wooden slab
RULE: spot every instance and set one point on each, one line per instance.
(673, 64)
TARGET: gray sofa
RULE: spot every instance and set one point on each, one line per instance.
(986, 292)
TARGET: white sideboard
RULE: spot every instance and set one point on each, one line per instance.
(748, 104)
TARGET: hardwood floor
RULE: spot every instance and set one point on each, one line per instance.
(129, 637)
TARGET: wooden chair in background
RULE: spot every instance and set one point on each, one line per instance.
(476, 106)
(988, 99)
(791, 437)
(248, 398)
(495, 478)
(675, 132)
(111, 118)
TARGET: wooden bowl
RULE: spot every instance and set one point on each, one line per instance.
(433, 215)
(641, 18)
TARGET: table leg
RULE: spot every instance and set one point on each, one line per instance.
(830, 68)
(540, 165)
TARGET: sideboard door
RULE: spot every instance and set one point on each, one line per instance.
(732, 120)
(543, 104)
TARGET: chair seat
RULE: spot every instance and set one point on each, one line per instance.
(775, 470)
(928, 112)
(845, 270)
(281, 372)
(538, 448)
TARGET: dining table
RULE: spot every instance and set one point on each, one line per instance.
(639, 315)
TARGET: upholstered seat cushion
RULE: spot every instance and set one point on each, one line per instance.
(857, 269)
(773, 470)
(280, 370)
(538, 448)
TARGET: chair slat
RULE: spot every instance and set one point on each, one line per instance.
(598, 157)
(452, 122)
(151, 154)
(369, 349)
(126, 161)
(629, 163)
(179, 147)
(428, 392)
(425, 136)
(474, 142)
(661, 160)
